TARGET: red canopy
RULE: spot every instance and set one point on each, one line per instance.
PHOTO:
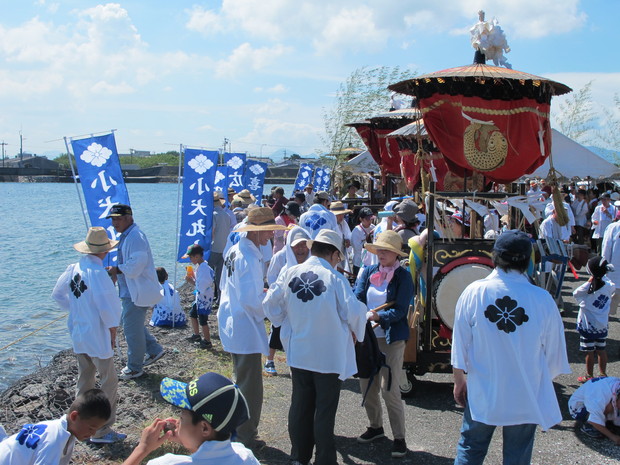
(486, 119)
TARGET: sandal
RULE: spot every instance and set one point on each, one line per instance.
(583, 379)
(602, 375)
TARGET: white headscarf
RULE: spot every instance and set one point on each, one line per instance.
(296, 233)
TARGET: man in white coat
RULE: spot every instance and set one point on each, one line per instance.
(610, 251)
(241, 318)
(139, 290)
(321, 313)
(86, 291)
(508, 345)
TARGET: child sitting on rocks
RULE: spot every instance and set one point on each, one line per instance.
(168, 311)
(52, 441)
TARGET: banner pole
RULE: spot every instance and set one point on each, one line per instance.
(176, 244)
(69, 155)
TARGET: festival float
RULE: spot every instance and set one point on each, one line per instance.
(478, 128)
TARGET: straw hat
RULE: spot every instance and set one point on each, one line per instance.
(97, 241)
(245, 197)
(217, 197)
(387, 240)
(261, 219)
(338, 208)
(327, 236)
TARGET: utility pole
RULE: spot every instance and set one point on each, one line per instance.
(21, 149)
(3, 144)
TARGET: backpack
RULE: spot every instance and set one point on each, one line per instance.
(370, 359)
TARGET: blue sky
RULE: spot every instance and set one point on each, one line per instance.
(258, 72)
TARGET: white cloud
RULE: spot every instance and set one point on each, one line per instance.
(271, 107)
(103, 87)
(51, 7)
(352, 29)
(277, 89)
(101, 51)
(604, 87)
(283, 133)
(350, 25)
(204, 21)
(247, 58)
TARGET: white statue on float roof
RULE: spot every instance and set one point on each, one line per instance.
(489, 41)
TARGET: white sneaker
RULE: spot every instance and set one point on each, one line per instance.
(131, 375)
(109, 438)
(150, 359)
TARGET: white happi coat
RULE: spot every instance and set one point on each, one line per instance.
(316, 218)
(211, 453)
(509, 338)
(87, 292)
(610, 251)
(320, 311)
(45, 443)
(594, 395)
(240, 316)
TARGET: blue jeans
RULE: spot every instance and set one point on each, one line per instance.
(139, 340)
(476, 436)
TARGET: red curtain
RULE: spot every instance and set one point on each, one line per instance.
(501, 139)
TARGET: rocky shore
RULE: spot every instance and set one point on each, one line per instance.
(433, 421)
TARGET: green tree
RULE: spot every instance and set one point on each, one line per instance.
(577, 116)
(363, 94)
(610, 136)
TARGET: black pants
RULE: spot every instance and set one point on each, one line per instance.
(312, 416)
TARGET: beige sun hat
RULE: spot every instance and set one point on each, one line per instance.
(387, 240)
(327, 236)
(338, 208)
(217, 197)
(261, 219)
(245, 197)
(97, 241)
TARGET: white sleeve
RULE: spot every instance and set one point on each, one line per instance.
(274, 303)
(351, 310)
(461, 332)
(251, 290)
(61, 290)
(135, 256)
(554, 341)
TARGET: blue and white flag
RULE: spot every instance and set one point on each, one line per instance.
(324, 181)
(102, 180)
(255, 172)
(221, 179)
(235, 162)
(197, 208)
(318, 179)
(304, 177)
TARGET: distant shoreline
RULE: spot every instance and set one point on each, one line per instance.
(128, 179)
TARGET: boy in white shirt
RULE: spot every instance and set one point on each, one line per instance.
(87, 292)
(213, 407)
(204, 282)
(52, 442)
(594, 298)
(595, 403)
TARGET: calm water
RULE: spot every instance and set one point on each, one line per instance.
(39, 223)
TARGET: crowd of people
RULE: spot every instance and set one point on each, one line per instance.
(293, 262)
